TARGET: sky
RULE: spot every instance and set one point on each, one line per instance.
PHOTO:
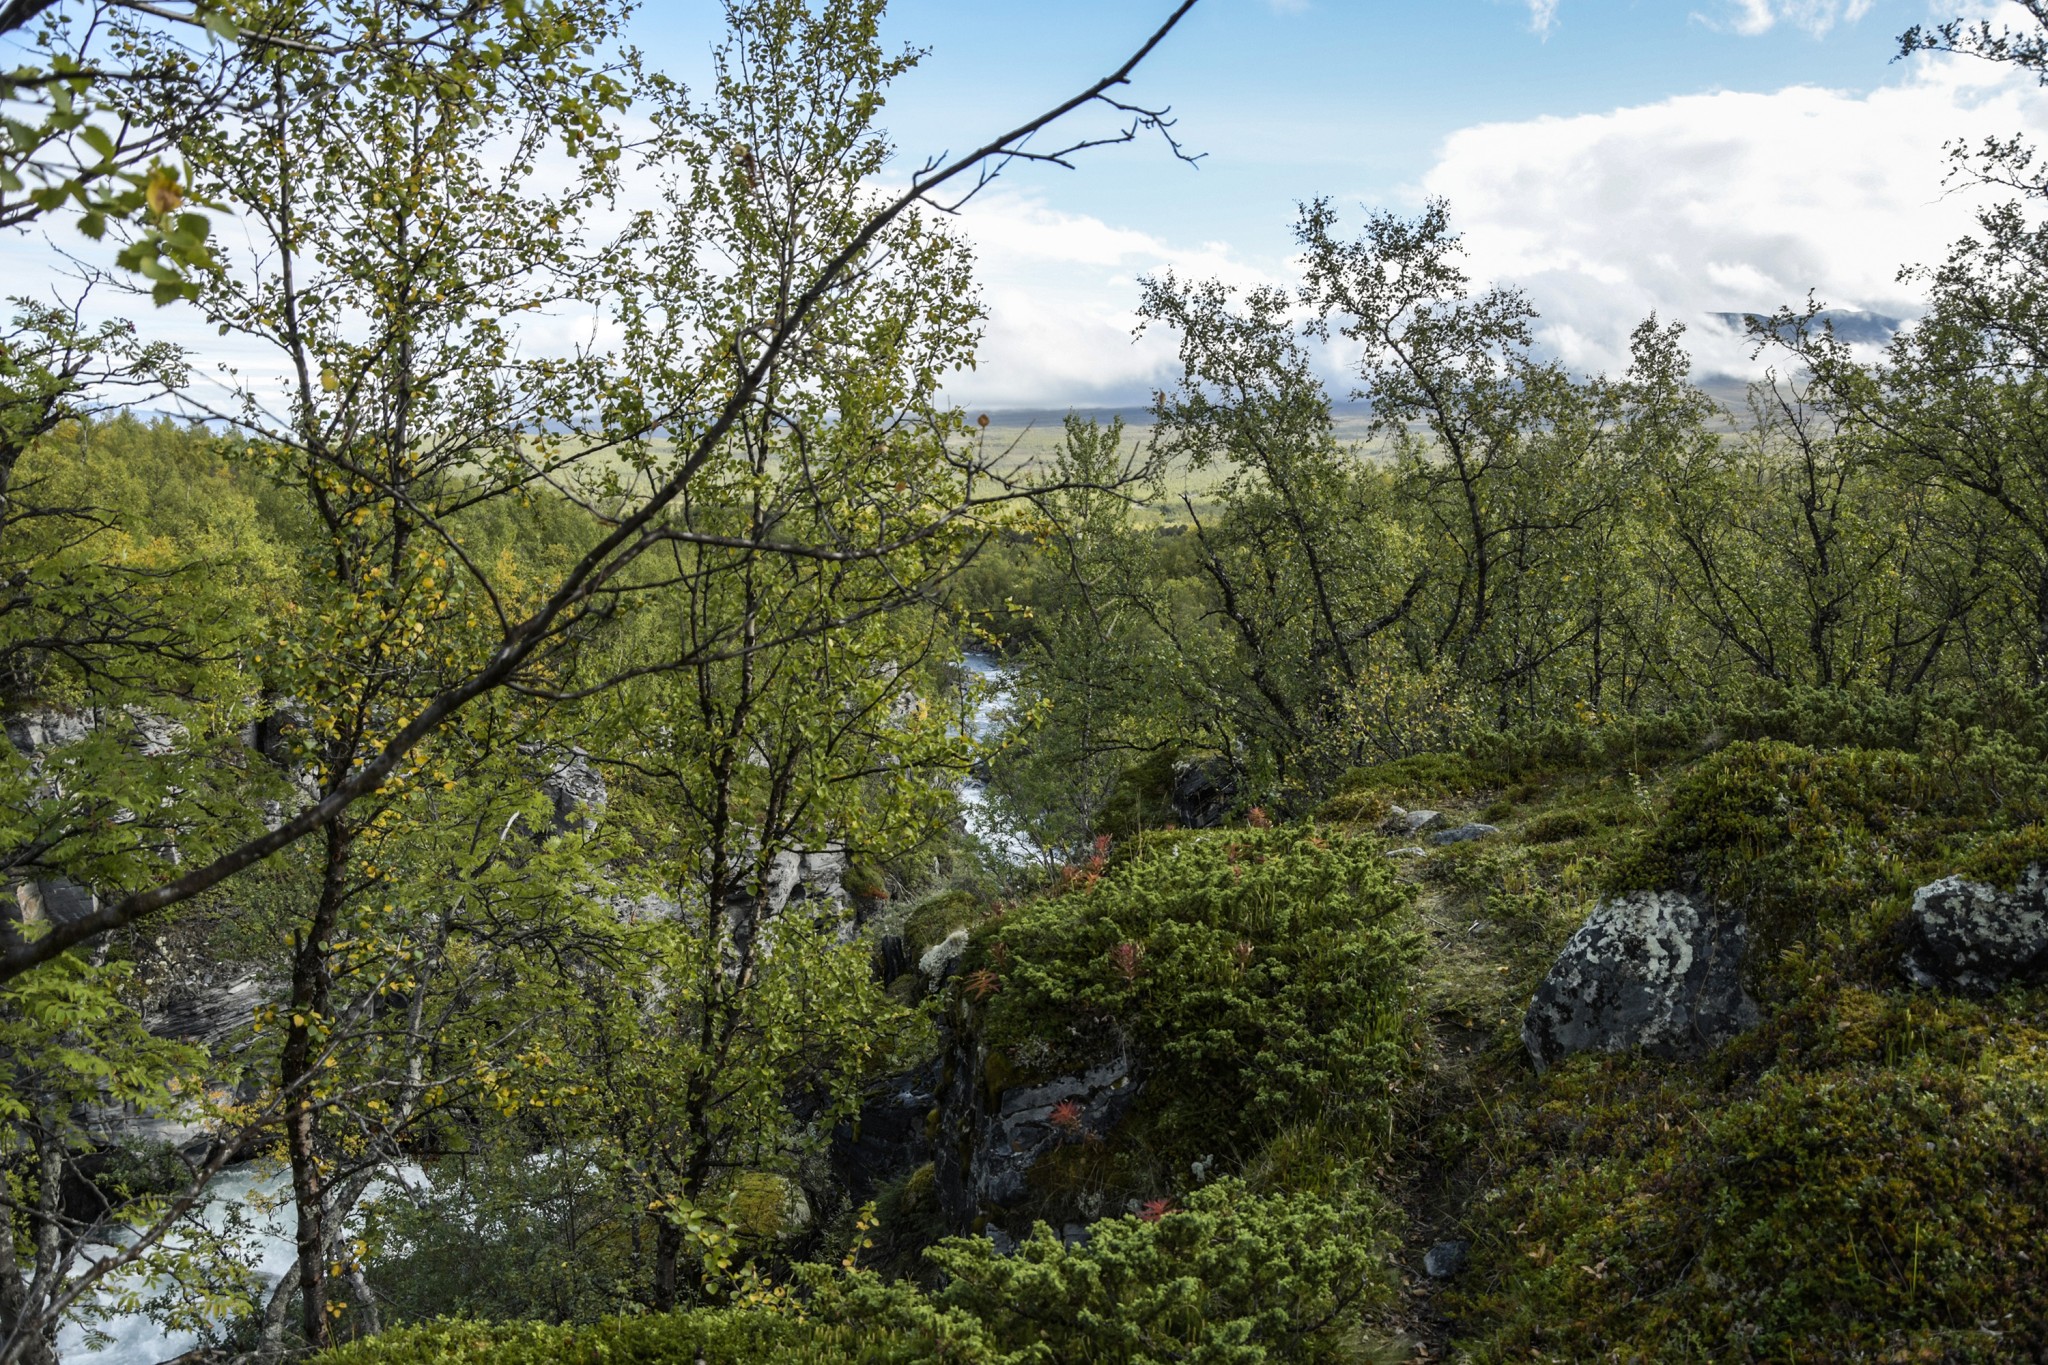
(1611, 157)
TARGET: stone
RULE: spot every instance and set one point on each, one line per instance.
(942, 959)
(1020, 1131)
(1462, 834)
(1445, 1259)
(1973, 938)
(1400, 821)
(1075, 1234)
(1203, 791)
(1659, 971)
(1410, 852)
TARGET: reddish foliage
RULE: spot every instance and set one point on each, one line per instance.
(1066, 1116)
(982, 984)
(1242, 952)
(1152, 1210)
(1128, 959)
(1257, 818)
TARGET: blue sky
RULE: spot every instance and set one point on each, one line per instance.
(1611, 156)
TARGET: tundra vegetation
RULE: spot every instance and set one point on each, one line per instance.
(509, 789)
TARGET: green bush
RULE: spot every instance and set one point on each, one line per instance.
(1261, 976)
(1232, 1279)
(932, 920)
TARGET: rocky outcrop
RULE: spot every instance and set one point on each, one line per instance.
(1204, 789)
(1656, 971)
(943, 958)
(1967, 936)
(575, 787)
(992, 1135)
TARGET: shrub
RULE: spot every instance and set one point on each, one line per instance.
(1232, 1279)
(1421, 777)
(1260, 976)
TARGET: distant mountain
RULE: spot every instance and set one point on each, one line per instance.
(1850, 324)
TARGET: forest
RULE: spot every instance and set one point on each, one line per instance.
(673, 845)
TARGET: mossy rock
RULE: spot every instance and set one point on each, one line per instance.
(932, 920)
(1367, 807)
(1868, 1210)
(1141, 799)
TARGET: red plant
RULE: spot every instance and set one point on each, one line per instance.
(999, 953)
(1257, 818)
(1066, 1116)
(982, 984)
(1128, 959)
(1152, 1210)
(1243, 953)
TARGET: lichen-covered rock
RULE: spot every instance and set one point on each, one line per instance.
(1462, 834)
(1975, 938)
(1658, 971)
(942, 959)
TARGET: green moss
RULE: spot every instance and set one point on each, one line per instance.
(1142, 798)
(1889, 1201)
(1421, 777)
(1366, 807)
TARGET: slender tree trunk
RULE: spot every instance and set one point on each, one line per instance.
(297, 1067)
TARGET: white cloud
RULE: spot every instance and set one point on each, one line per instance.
(1726, 202)
(1061, 290)
(1542, 16)
(1752, 17)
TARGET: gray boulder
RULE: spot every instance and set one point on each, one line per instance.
(1026, 1123)
(1974, 938)
(1445, 1259)
(576, 789)
(1658, 971)
(1462, 834)
(1411, 822)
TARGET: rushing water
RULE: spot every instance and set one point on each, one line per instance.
(990, 718)
(257, 1191)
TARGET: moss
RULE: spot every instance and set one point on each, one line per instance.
(1896, 1203)
(1421, 777)
(864, 881)
(1557, 827)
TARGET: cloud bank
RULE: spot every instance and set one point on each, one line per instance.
(1726, 202)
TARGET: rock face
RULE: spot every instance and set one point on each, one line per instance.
(1203, 790)
(990, 1139)
(891, 1135)
(1975, 938)
(1655, 970)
